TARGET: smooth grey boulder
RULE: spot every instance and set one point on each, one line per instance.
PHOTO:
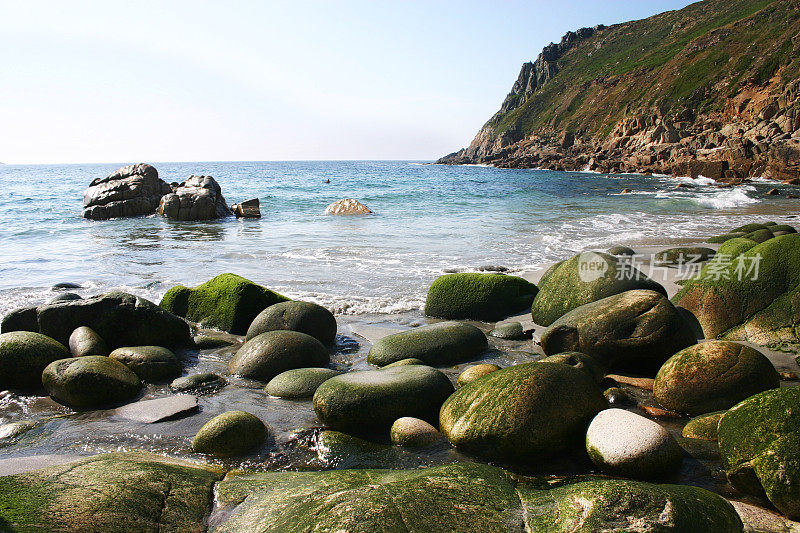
(197, 198)
(204, 382)
(150, 363)
(299, 383)
(295, 315)
(130, 191)
(438, 344)
(90, 382)
(23, 357)
(266, 355)
(85, 341)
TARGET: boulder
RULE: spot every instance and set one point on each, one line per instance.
(620, 250)
(158, 409)
(247, 209)
(64, 297)
(683, 255)
(523, 412)
(299, 383)
(371, 400)
(23, 319)
(265, 356)
(617, 396)
(758, 442)
(581, 361)
(625, 444)
(23, 357)
(733, 302)
(85, 341)
(197, 198)
(90, 382)
(347, 206)
(150, 363)
(404, 362)
(110, 492)
(713, 376)
(227, 302)
(439, 344)
(475, 296)
(510, 331)
(474, 372)
(413, 433)
(118, 318)
(130, 191)
(703, 427)
(340, 450)
(198, 383)
(230, 434)
(305, 317)
(635, 330)
(583, 279)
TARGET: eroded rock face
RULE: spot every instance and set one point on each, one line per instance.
(197, 198)
(134, 190)
(347, 206)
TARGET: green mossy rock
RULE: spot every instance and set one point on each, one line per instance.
(23, 319)
(758, 442)
(511, 331)
(524, 412)
(413, 433)
(474, 296)
(265, 356)
(85, 341)
(340, 450)
(620, 250)
(684, 255)
(230, 434)
(23, 356)
(371, 400)
(581, 361)
(463, 497)
(750, 228)
(440, 344)
(305, 317)
(113, 493)
(713, 376)
(636, 330)
(404, 362)
(703, 427)
(762, 310)
(719, 239)
(300, 383)
(150, 363)
(227, 302)
(759, 236)
(563, 288)
(90, 382)
(474, 372)
(198, 383)
(119, 318)
(783, 228)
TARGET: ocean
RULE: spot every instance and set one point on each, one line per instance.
(428, 219)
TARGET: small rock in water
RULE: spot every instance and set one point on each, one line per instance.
(347, 206)
(230, 434)
(299, 383)
(247, 209)
(152, 411)
(266, 355)
(443, 343)
(617, 396)
(413, 432)
(625, 444)
(64, 297)
(626, 191)
(476, 371)
(150, 363)
(703, 427)
(405, 362)
(205, 341)
(64, 286)
(305, 317)
(492, 268)
(508, 331)
(657, 412)
(773, 192)
(204, 382)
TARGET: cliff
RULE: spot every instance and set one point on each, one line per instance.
(711, 89)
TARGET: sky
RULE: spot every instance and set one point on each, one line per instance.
(84, 82)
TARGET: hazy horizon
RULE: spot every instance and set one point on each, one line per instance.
(91, 82)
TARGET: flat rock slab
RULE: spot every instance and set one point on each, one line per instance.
(373, 333)
(639, 383)
(18, 465)
(151, 411)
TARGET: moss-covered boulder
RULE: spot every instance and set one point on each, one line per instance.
(703, 427)
(412, 432)
(725, 237)
(621, 250)
(713, 376)
(523, 412)
(265, 356)
(596, 369)
(510, 331)
(371, 400)
(227, 302)
(440, 344)
(748, 291)
(583, 279)
(150, 363)
(476, 371)
(684, 255)
(300, 383)
(625, 444)
(203, 382)
(114, 493)
(90, 382)
(404, 362)
(759, 441)
(475, 296)
(85, 341)
(230, 434)
(636, 330)
(23, 356)
(119, 318)
(305, 317)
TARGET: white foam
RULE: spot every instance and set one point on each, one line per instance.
(726, 199)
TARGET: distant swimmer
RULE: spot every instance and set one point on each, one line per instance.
(327, 181)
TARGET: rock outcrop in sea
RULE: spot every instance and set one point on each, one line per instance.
(131, 191)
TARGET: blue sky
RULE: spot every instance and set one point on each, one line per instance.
(196, 81)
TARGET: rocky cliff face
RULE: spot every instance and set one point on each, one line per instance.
(713, 90)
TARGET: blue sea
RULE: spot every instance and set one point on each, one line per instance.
(428, 219)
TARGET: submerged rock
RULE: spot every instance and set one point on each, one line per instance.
(299, 383)
(438, 344)
(159, 409)
(90, 382)
(474, 296)
(266, 355)
(712, 376)
(85, 341)
(203, 382)
(636, 330)
(150, 363)
(474, 372)
(23, 357)
(523, 412)
(197, 198)
(413, 432)
(130, 191)
(583, 279)
(305, 317)
(227, 302)
(247, 209)
(230, 434)
(371, 400)
(347, 206)
(625, 444)
(510, 331)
